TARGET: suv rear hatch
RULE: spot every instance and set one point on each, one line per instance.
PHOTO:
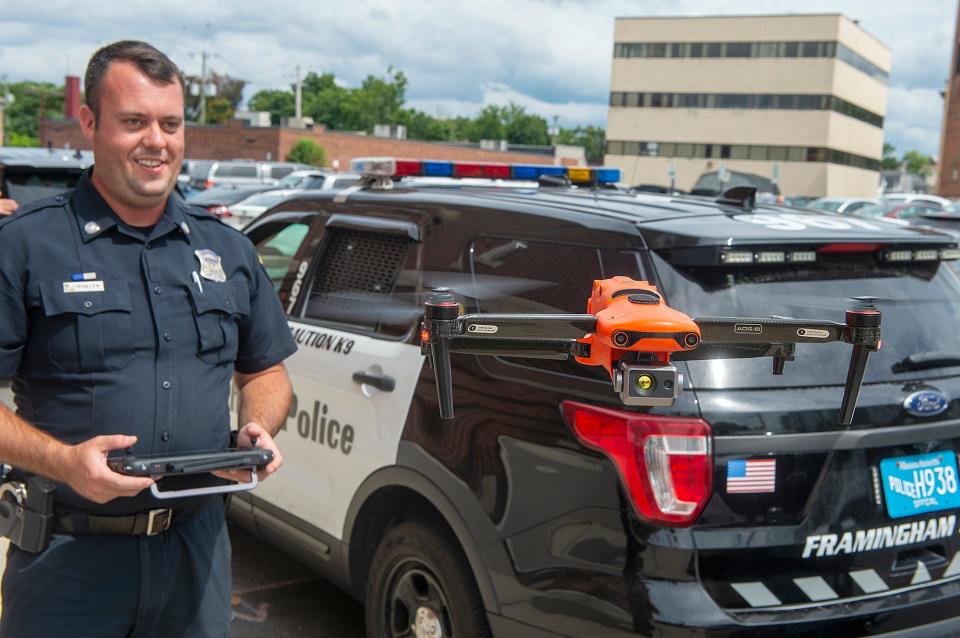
(805, 513)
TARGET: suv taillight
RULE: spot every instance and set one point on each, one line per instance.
(208, 183)
(665, 463)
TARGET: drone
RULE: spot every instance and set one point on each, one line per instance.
(630, 331)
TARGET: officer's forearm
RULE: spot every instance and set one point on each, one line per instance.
(265, 397)
(27, 448)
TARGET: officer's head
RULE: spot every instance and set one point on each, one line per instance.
(134, 117)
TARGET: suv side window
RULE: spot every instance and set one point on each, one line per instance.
(236, 170)
(366, 281)
(276, 172)
(543, 277)
(278, 243)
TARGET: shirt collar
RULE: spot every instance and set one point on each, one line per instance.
(95, 217)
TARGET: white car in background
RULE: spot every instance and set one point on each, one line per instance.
(246, 210)
(909, 198)
(841, 205)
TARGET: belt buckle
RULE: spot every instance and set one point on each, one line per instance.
(158, 521)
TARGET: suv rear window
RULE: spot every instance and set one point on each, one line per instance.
(28, 184)
(920, 304)
(236, 170)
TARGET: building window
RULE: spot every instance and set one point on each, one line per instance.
(746, 101)
(751, 50)
(759, 152)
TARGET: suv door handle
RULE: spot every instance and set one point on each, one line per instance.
(378, 381)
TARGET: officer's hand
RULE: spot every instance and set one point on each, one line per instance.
(7, 206)
(264, 441)
(85, 470)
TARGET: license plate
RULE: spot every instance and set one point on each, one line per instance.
(920, 483)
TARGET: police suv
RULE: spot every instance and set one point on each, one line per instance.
(512, 520)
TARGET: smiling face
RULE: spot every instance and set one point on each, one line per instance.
(137, 138)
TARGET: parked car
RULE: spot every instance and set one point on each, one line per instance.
(218, 200)
(247, 209)
(511, 520)
(909, 198)
(28, 174)
(242, 173)
(892, 210)
(317, 180)
(841, 205)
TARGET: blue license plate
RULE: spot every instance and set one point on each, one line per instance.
(920, 483)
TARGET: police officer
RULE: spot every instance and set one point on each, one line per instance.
(124, 314)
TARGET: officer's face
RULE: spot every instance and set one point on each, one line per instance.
(137, 137)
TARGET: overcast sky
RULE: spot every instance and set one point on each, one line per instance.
(552, 56)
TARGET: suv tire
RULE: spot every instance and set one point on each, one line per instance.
(419, 577)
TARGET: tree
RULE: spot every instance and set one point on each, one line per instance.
(306, 151)
(488, 125)
(279, 103)
(523, 128)
(889, 161)
(591, 138)
(421, 126)
(376, 101)
(918, 163)
(23, 112)
(219, 110)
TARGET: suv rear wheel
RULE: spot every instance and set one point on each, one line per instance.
(420, 586)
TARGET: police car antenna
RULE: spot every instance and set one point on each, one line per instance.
(630, 331)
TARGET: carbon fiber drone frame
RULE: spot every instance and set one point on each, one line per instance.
(629, 329)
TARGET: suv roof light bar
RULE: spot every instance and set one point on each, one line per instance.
(394, 167)
(774, 254)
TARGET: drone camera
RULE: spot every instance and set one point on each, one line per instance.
(648, 385)
(691, 340)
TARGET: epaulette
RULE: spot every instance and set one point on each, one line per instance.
(54, 201)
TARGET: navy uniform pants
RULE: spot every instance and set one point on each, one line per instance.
(176, 583)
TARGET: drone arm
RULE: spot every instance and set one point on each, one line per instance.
(750, 330)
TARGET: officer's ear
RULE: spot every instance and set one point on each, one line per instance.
(88, 121)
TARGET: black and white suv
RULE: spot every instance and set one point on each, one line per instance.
(506, 522)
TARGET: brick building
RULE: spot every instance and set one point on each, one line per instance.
(948, 181)
(237, 140)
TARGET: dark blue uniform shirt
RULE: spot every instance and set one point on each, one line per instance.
(108, 330)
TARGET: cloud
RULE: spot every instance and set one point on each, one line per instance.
(552, 56)
(914, 119)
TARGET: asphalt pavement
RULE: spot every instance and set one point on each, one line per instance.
(273, 595)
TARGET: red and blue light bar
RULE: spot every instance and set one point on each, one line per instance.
(400, 167)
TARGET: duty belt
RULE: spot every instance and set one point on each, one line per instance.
(145, 524)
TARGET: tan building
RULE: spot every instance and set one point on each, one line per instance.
(797, 98)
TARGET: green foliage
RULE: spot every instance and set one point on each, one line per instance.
(380, 100)
(23, 111)
(219, 110)
(918, 163)
(889, 161)
(592, 138)
(278, 103)
(306, 151)
(20, 139)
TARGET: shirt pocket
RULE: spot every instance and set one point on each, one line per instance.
(217, 312)
(88, 331)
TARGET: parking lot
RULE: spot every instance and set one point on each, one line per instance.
(275, 596)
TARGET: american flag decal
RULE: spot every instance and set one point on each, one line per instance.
(752, 475)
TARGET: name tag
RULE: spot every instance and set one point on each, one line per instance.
(83, 286)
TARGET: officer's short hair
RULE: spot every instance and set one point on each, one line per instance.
(152, 62)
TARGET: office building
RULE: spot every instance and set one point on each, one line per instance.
(799, 99)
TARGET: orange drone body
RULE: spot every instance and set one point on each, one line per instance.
(632, 317)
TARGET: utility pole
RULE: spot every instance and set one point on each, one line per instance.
(203, 87)
(202, 117)
(298, 113)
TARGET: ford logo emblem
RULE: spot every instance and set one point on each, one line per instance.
(925, 403)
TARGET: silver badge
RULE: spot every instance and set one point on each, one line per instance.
(185, 228)
(91, 228)
(210, 266)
